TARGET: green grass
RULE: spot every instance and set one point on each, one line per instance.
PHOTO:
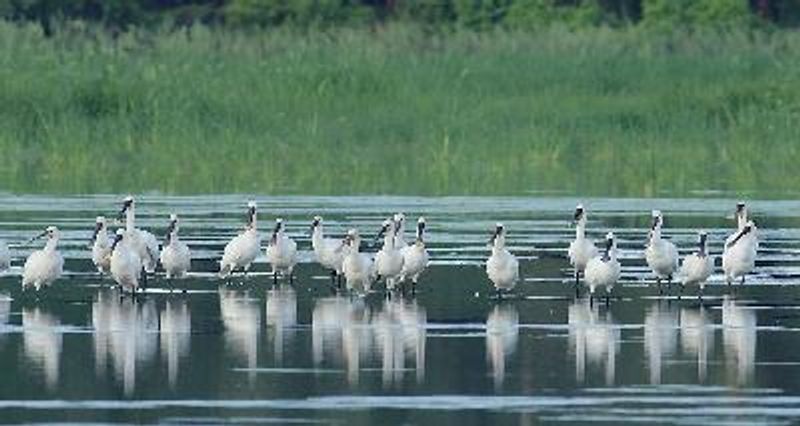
(598, 112)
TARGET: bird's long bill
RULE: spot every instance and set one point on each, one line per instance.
(251, 214)
(578, 215)
(607, 253)
(97, 228)
(380, 233)
(702, 244)
(275, 232)
(314, 224)
(125, 206)
(654, 224)
(739, 236)
(420, 230)
(37, 236)
(117, 239)
(170, 230)
(494, 236)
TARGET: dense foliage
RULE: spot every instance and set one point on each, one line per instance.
(438, 14)
(398, 110)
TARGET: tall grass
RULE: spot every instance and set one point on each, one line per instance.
(598, 112)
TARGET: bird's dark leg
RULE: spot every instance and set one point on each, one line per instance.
(680, 292)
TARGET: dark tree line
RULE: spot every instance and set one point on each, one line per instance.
(119, 15)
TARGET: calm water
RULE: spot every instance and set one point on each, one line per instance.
(254, 352)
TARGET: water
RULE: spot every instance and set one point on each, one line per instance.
(254, 352)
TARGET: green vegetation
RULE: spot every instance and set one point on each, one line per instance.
(394, 109)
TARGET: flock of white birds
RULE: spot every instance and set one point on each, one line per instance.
(133, 254)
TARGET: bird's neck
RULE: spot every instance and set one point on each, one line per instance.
(580, 230)
(51, 244)
(499, 244)
(655, 234)
(317, 235)
(388, 241)
(130, 218)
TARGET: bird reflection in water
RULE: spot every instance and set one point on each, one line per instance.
(593, 337)
(502, 335)
(281, 319)
(697, 337)
(42, 341)
(176, 328)
(400, 333)
(661, 325)
(241, 316)
(739, 340)
(5, 309)
(126, 332)
(346, 331)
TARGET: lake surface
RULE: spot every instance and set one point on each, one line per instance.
(253, 352)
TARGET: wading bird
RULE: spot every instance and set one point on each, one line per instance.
(357, 267)
(142, 242)
(603, 271)
(739, 255)
(328, 251)
(661, 255)
(281, 252)
(415, 257)
(126, 265)
(101, 246)
(43, 266)
(698, 266)
(176, 257)
(502, 267)
(389, 260)
(582, 249)
(242, 250)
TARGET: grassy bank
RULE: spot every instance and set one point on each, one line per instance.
(600, 112)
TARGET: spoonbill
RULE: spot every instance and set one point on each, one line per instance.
(46, 265)
(281, 252)
(415, 257)
(176, 258)
(603, 271)
(698, 266)
(661, 254)
(502, 267)
(243, 249)
(581, 249)
(101, 246)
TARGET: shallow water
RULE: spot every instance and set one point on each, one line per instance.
(251, 351)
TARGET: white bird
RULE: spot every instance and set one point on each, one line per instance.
(46, 265)
(143, 242)
(582, 249)
(243, 249)
(176, 258)
(502, 267)
(739, 255)
(603, 271)
(415, 257)
(329, 251)
(5, 256)
(126, 265)
(661, 254)
(698, 266)
(281, 252)
(101, 246)
(357, 267)
(389, 260)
